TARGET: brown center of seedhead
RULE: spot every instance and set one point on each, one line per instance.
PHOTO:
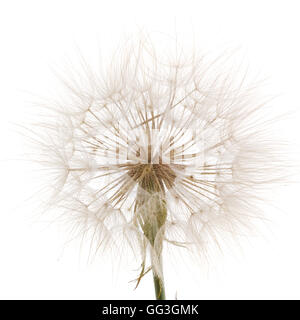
(155, 177)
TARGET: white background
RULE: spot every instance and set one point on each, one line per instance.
(35, 261)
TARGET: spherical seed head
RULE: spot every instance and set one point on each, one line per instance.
(152, 149)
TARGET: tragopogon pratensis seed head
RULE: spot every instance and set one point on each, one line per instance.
(155, 150)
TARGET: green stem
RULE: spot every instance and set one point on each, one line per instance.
(159, 287)
(158, 281)
(151, 213)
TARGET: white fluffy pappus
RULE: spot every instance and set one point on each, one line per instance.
(156, 152)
